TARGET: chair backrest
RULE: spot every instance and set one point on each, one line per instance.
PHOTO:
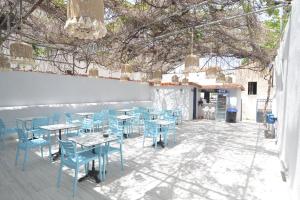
(112, 112)
(87, 123)
(22, 135)
(2, 127)
(37, 122)
(68, 148)
(55, 118)
(150, 128)
(68, 117)
(98, 116)
(115, 127)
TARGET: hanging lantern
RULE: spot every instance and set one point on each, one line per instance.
(85, 19)
(191, 63)
(4, 63)
(220, 78)
(228, 79)
(126, 71)
(157, 76)
(93, 72)
(21, 53)
(185, 81)
(212, 72)
(175, 79)
(144, 78)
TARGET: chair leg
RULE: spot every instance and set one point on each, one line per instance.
(25, 159)
(17, 155)
(75, 181)
(121, 157)
(42, 153)
(104, 166)
(100, 168)
(50, 154)
(143, 140)
(59, 175)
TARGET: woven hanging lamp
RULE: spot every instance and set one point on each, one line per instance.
(21, 53)
(175, 79)
(93, 72)
(126, 71)
(212, 72)
(228, 79)
(185, 81)
(85, 19)
(4, 63)
(221, 78)
(157, 76)
(191, 60)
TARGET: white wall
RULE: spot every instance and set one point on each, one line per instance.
(243, 76)
(287, 73)
(35, 94)
(174, 97)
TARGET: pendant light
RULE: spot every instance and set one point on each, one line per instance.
(4, 63)
(85, 19)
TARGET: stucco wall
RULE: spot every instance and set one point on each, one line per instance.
(287, 73)
(171, 97)
(35, 94)
(243, 76)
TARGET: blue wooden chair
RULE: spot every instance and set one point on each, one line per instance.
(55, 118)
(99, 120)
(171, 129)
(26, 143)
(4, 132)
(73, 159)
(70, 119)
(150, 131)
(114, 147)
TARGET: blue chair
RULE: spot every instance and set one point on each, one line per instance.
(4, 131)
(36, 123)
(55, 118)
(115, 147)
(87, 125)
(99, 120)
(150, 131)
(26, 143)
(70, 119)
(73, 159)
(171, 129)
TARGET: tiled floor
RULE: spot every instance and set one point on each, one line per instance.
(210, 161)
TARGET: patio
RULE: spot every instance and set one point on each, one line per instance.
(210, 160)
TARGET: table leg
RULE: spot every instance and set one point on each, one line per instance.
(56, 155)
(160, 142)
(92, 173)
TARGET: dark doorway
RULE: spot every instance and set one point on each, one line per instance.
(206, 96)
(194, 103)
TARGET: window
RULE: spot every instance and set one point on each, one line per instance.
(252, 88)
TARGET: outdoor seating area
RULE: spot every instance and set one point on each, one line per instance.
(149, 100)
(84, 138)
(208, 161)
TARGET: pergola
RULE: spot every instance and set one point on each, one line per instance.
(148, 34)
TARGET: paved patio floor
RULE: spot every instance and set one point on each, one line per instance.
(210, 161)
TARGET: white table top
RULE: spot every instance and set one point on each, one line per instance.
(125, 110)
(29, 118)
(92, 139)
(124, 117)
(56, 127)
(85, 113)
(162, 122)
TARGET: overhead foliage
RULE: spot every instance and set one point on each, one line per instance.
(153, 34)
